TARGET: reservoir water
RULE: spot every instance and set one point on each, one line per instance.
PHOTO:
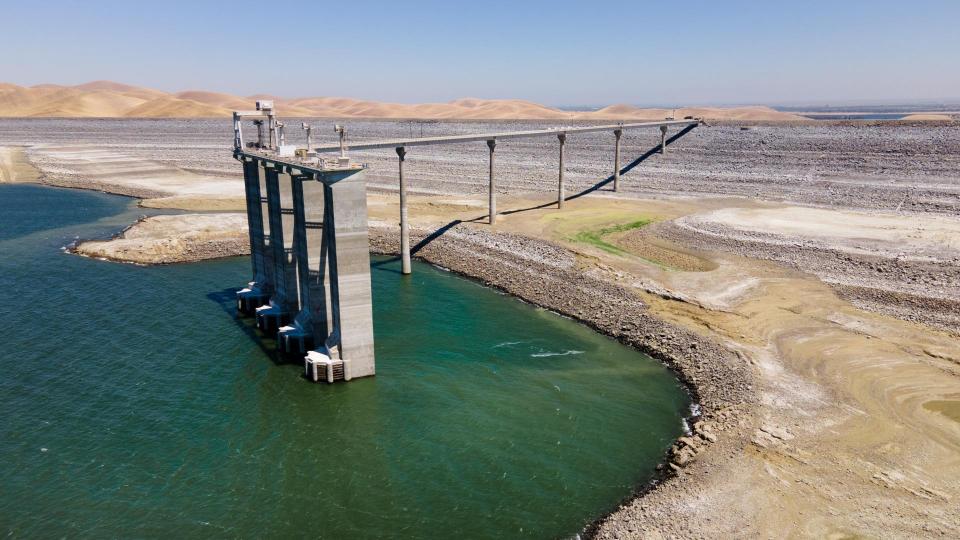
(135, 404)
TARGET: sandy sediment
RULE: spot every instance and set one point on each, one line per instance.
(174, 239)
(907, 267)
(14, 167)
(928, 117)
(160, 185)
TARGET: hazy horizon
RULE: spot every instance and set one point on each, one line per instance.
(557, 53)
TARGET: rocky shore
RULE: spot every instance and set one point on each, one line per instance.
(721, 382)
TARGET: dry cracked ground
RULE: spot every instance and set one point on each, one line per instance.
(805, 279)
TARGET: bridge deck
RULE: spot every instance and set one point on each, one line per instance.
(455, 139)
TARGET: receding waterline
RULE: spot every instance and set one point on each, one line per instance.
(136, 404)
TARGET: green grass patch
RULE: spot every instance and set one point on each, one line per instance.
(596, 237)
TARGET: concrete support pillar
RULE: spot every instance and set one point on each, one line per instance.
(257, 292)
(663, 139)
(283, 301)
(492, 144)
(298, 337)
(276, 234)
(318, 255)
(560, 193)
(251, 182)
(265, 214)
(300, 239)
(351, 301)
(404, 225)
(616, 160)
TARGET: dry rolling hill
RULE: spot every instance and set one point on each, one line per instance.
(107, 99)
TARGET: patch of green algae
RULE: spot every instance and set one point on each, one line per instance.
(595, 237)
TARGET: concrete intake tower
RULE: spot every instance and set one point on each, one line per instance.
(309, 250)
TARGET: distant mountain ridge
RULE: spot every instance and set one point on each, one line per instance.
(108, 99)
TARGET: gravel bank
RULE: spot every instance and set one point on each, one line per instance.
(884, 165)
(721, 382)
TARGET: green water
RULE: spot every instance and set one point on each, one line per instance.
(135, 404)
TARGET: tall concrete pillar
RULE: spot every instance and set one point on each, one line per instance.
(316, 266)
(404, 226)
(251, 183)
(351, 301)
(560, 193)
(310, 325)
(492, 145)
(316, 254)
(300, 241)
(616, 159)
(265, 216)
(257, 292)
(283, 302)
(663, 139)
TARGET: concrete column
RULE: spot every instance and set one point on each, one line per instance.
(560, 193)
(280, 209)
(260, 287)
(663, 139)
(616, 160)
(251, 181)
(300, 241)
(492, 144)
(269, 276)
(345, 226)
(276, 234)
(290, 297)
(404, 225)
(318, 253)
(291, 338)
(311, 323)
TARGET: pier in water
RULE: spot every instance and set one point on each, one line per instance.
(135, 403)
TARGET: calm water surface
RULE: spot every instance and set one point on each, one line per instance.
(134, 403)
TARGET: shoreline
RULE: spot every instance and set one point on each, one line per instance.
(172, 239)
(666, 343)
(696, 361)
(845, 402)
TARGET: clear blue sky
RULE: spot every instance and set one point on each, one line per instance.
(554, 52)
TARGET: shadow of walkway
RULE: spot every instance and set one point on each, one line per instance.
(596, 187)
(608, 180)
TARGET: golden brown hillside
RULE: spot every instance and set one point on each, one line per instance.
(109, 99)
